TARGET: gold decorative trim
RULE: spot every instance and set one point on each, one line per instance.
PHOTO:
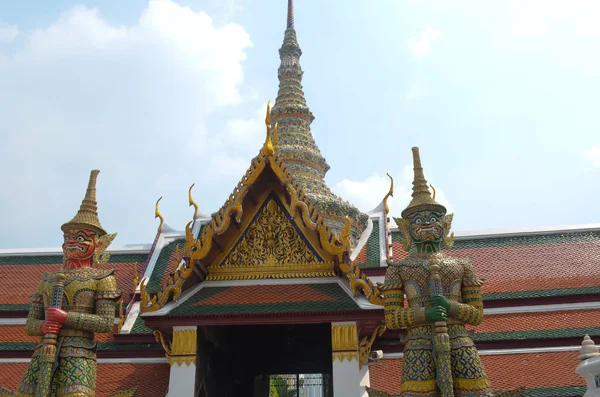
(171, 291)
(182, 349)
(125, 393)
(344, 355)
(319, 269)
(344, 342)
(364, 347)
(358, 280)
(121, 316)
(136, 277)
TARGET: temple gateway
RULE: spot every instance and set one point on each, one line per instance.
(288, 290)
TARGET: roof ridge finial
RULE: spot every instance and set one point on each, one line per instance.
(268, 148)
(290, 16)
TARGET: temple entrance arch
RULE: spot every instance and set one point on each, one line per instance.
(248, 360)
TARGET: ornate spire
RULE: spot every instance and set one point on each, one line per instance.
(295, 143)
(421, 197)
(87, 216)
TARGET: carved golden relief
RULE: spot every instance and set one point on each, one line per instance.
(344, 342)
(182, 349)
(366, 343)
(270, 248)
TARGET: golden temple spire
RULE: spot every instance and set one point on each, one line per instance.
(87, 216)
(421, 197)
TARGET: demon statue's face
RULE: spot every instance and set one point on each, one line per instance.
(79, 247)
(426, 227)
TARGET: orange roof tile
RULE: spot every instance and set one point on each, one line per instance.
(256, 294)
(528, 267)
(19, 281)
(362, 255)
(506, 372)
(16, 333)
(535, 266)
(538, 321)
(152, 379)
(385, 375)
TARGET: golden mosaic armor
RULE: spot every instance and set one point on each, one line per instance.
(89, 297)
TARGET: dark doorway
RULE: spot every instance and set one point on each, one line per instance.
(242, 360)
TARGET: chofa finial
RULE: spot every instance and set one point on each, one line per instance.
(192, 202)
(157, 214)
(389, 194)
(268, 148)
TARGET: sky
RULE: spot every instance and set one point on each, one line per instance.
(501, 98)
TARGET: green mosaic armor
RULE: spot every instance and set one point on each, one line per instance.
(462, 288)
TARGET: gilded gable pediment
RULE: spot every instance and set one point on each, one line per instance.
(271, 246)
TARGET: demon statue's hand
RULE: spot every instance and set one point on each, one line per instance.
(440, 300)
(434, 314)
(50, 327)
(56, 315)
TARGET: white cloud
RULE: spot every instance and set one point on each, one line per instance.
(420, 44)
(369, 193)
(138, 102)
(593, 155)
(8, 32)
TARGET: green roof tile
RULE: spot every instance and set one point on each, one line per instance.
(511, 241)
(58, 259)
(537, 334)
(160, 267)
(139, 327)
(14, 346)
(567, 391)
(373, 248)
(541, 293)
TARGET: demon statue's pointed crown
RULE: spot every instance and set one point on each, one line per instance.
(85, 238)
(424, 221)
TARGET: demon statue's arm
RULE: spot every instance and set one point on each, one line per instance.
(103, 320)
(35, 319)
(396, 315)
(470, 310)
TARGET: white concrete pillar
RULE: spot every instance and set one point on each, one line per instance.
(349, 376)
(182, 358)
(590, 367)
